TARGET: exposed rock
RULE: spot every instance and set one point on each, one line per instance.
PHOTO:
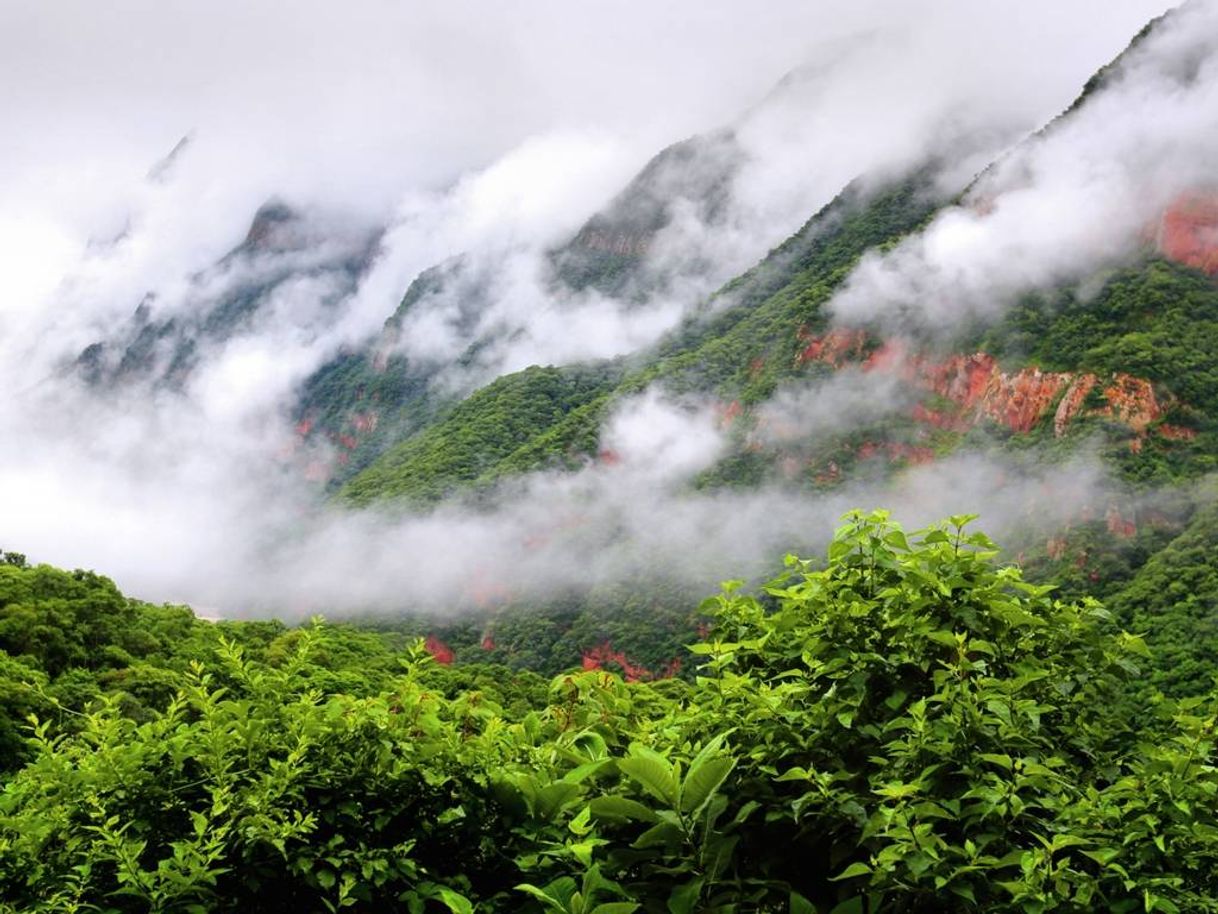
(1131, 401)
(726, 414)
(630, 244)
(1019, 401)
(439, 650)
(1177, 432)
(835, 348)
(1072, 402)
(595, 658)
(1188, 232)
(977, 388)
(1118, 526)
(276, 227)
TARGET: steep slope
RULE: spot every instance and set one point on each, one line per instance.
(1123, 365)
(740, 344)
(1173, 599)
(691, 180)
(478, 434)
(282, 255)
(614, 254)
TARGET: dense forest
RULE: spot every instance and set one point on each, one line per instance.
(907, 725)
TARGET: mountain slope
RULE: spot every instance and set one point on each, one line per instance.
(727, 346)
(282, 255)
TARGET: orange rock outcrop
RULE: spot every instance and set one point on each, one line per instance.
(837, 347)
(976, 388)
(1188, 232)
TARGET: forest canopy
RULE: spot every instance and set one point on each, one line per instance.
(907, 726)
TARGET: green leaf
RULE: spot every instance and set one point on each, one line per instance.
(849, 906)
(684, 898)
(660, 834)
(455, 901)
(702, 781)
(857, 868)
(549, 800)
(653, 772)
(615, 808)
(546, 899)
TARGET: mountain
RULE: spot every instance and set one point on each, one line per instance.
(370, 397)
(281, 252)
(1121, 362)
(909, 720)
(1114, 359)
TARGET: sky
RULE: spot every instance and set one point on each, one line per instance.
(452, 127)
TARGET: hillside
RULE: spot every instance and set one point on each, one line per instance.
(926, 732)
(1115, 364)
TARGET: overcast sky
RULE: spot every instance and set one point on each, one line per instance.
(352, 102)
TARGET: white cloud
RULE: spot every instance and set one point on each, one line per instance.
(1085, 194)
(490, 131)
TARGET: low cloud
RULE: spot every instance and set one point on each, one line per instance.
(1085, 194)
(849, 399)
(448, 131)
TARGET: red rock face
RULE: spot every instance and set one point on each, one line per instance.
(1177, 433)
(1072, 402)
(439, 650)
(595, 658)
(1131, 401)
(728, 413)
(1118, 526)
(1188, 232)
(977, 388)
(838, 346)
(980, 389)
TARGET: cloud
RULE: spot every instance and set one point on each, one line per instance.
(1085, 194)
(849, 399)
(175, 513)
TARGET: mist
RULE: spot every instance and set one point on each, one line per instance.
(1085, 194)
(448, 131)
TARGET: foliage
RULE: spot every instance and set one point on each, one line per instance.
(911, 727)
(1173, 599)
(478, 433)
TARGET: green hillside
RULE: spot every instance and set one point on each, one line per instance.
(752, 319)
(908, 726)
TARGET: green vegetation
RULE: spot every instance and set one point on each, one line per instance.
(910, 727)
(741, 347)
(1174, 599)
(478, 434)
(1157, 321)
